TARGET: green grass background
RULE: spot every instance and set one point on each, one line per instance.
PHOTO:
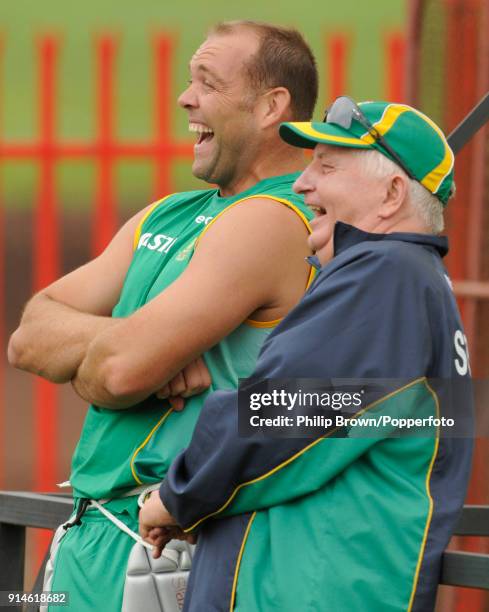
(77, 24)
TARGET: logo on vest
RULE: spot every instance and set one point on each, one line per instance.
(185, 252)
(203, 219)
(156, 242)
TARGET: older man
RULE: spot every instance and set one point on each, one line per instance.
(355, 518)
(198, 273)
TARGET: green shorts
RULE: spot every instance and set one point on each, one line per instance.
(91, 559)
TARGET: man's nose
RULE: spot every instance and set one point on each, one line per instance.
(188, 98)
(303, 184)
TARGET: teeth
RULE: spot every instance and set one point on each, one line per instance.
(199, 128)
(317, 209)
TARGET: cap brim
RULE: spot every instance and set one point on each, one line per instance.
(307, 135)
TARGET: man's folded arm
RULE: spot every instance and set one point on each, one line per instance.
(60, 321)
(236, 270)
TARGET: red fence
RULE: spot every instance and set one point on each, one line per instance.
(448, 73)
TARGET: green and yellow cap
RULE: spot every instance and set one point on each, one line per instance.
(413, 137)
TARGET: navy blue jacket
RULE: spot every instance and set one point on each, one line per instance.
(383, 308)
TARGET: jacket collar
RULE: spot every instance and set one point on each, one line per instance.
(346, 236)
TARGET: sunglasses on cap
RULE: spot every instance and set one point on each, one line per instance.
(342, 112)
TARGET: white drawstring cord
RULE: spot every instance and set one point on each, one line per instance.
(120, 524)
(142, 490)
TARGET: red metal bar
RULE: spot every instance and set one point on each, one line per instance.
(473, 236)
(81, 150)
(163, 52)
(2, 313)
(464, 26)
(46, 270)
(3, 404)
(336, 62)
(479, 51)
(395, 66)
(456, 107)
(46, 259)
(483, 86)
(104, 224)
(414, 27)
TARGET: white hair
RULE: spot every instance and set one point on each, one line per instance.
(426, 205)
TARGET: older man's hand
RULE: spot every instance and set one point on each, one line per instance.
(157, 526)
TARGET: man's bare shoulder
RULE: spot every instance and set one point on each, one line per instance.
(258, 216)
(263, 243)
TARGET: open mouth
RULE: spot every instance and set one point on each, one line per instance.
(204, 133)
(318, 211)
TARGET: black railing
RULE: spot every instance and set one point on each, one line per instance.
(464, 568)
(19, 510)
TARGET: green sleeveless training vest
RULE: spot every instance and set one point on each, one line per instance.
(119, 450)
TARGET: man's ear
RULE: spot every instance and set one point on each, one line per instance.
(274, 106)
(395, 194)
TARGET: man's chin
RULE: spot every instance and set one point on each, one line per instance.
(321, 237)
(200, 172)
(325, 253)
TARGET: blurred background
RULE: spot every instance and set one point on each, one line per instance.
(90, 132)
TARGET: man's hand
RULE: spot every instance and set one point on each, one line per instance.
(157, 526)
(192, 380)
(160, 536)
(154, 514)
